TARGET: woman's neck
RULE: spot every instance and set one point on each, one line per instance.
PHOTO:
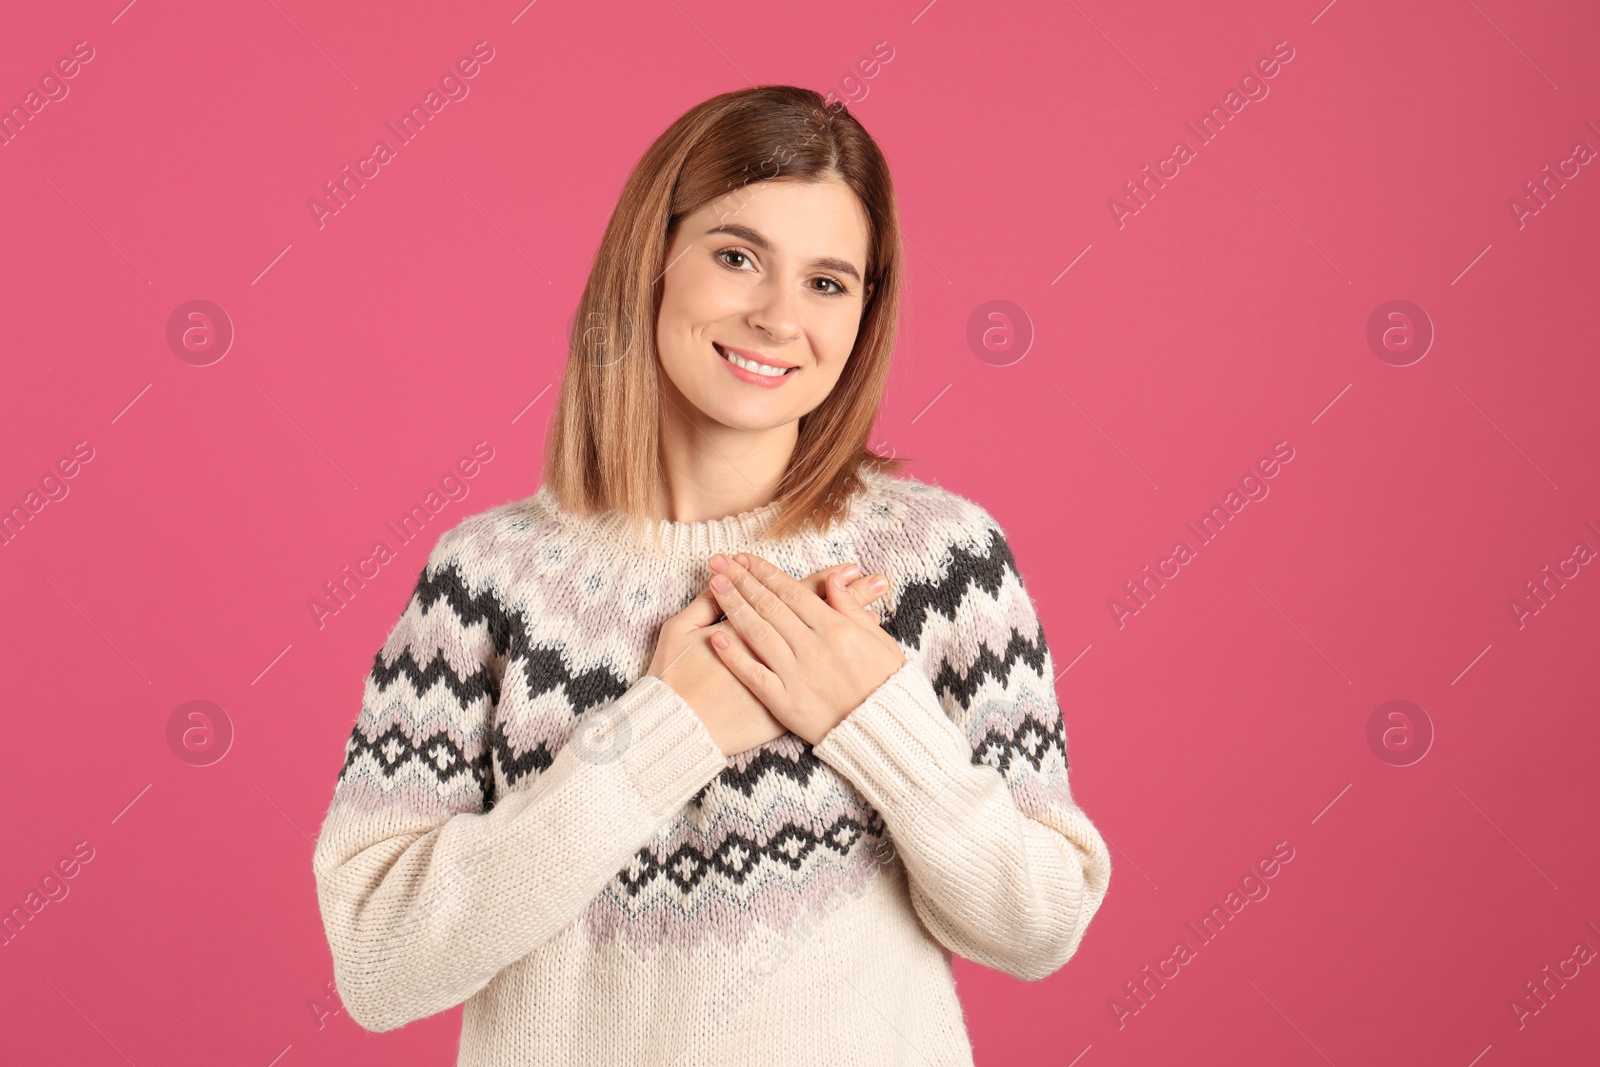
(710, 471)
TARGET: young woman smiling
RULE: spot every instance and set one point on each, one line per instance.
(642, 775)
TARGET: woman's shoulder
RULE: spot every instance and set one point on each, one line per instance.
(922, 517)
(945, 557)
(495, 531)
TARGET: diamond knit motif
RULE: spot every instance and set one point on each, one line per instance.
(660, 901)
(777, 820)
(620, 905)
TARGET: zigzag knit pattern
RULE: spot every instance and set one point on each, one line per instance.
(528, 621)
(778, 827)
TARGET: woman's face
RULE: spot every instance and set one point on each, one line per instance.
(772, 274)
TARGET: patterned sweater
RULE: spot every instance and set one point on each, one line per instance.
(529, 824)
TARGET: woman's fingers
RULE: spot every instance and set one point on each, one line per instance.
(792, 610)
(775, 648)
(863, 591)
(855, 599)
(770, 605)
(857, 583)
(755, 675)
(818, 582)
(700, 612)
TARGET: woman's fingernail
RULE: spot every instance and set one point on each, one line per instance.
(720, 583)
(850, 574)
(878, 585)
(744, 560)
(719, 563)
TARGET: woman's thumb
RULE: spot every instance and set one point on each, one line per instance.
(844, 598)
(703, 610)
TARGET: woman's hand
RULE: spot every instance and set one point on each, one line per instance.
(810, 661)
(684, 660)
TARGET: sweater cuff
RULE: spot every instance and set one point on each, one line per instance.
(666, 751)
(899, 748)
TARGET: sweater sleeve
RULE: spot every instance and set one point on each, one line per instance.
(428, 884)
(963, 752)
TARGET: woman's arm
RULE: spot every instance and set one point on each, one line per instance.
(963, 752)
(428, 885)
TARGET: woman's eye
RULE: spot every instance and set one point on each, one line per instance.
(736, 260)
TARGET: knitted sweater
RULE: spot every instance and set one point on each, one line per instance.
(527, 823)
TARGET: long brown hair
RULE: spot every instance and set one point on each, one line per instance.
(602, 452)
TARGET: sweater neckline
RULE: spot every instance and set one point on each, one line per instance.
(730, 533)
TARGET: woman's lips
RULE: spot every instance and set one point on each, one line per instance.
(751, 377)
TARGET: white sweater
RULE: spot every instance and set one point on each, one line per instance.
(528, 824)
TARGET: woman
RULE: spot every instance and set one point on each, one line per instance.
(623, 785)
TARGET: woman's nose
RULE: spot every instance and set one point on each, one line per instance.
(777, 312)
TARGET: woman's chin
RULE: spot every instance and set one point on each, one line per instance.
(750, 417)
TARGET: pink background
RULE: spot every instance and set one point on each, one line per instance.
(1227, 315)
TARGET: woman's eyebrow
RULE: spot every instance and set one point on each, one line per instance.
(745, 233)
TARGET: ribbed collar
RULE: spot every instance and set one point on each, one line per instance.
(678, 540)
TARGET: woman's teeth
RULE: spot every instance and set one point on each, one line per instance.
(751, 366)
